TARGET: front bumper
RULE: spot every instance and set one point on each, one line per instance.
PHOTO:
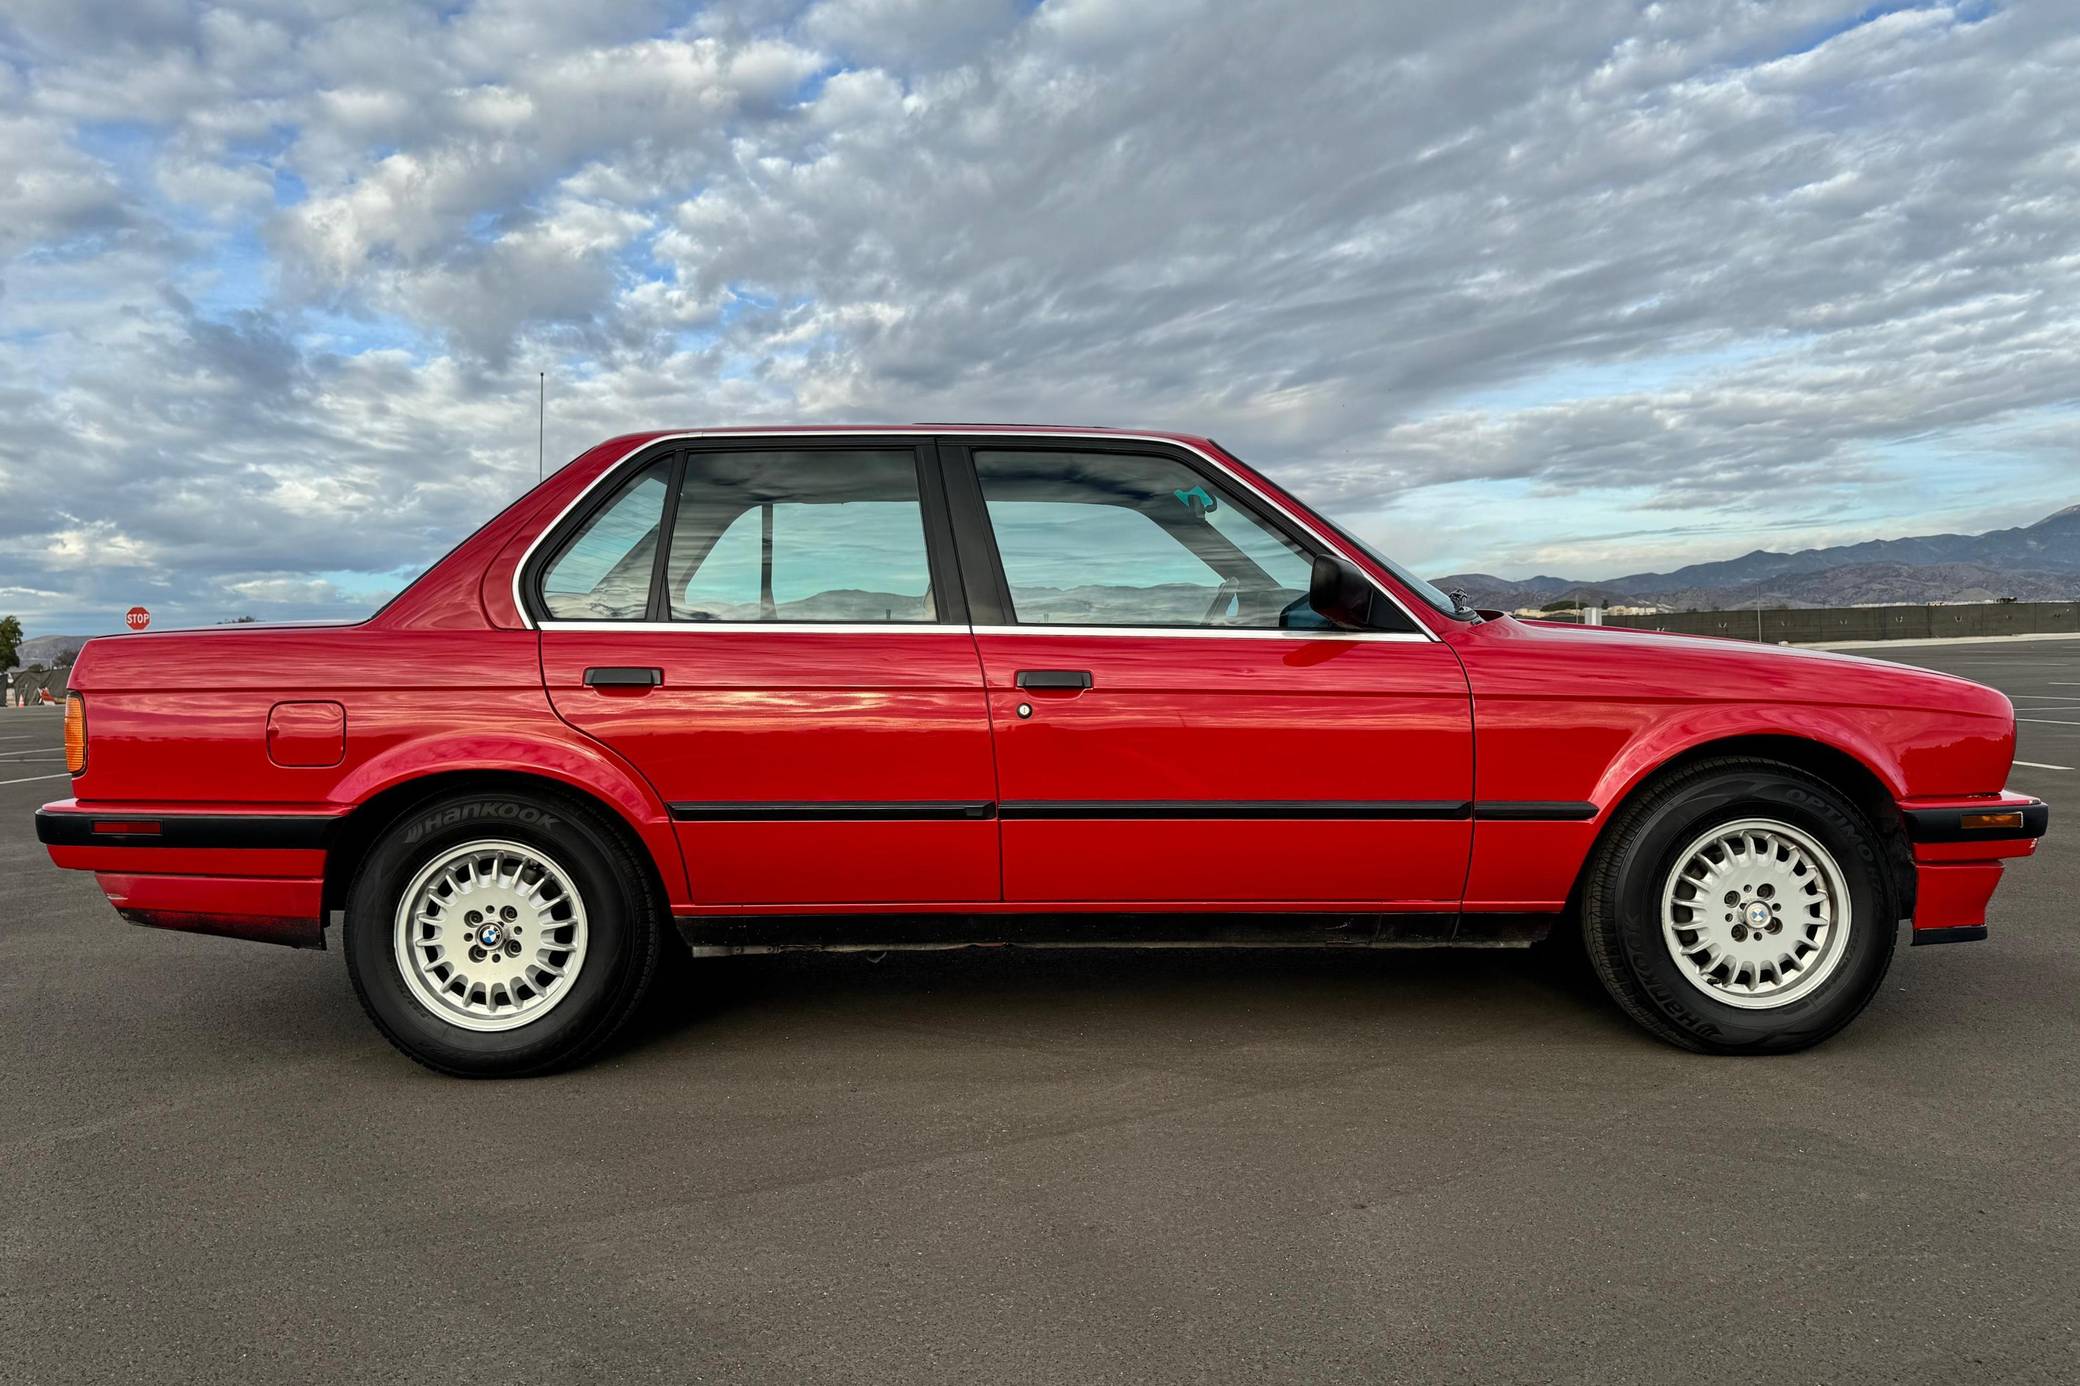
(1959, 846)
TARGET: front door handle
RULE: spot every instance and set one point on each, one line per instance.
(624, 678)
(1076, 679)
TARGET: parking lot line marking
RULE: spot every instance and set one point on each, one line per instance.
(2040, 765)
(2049, 721)
(33, 778)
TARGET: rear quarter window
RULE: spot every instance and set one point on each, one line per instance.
(602, 573)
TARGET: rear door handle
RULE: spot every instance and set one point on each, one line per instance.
(623, 678)
(1078, 679)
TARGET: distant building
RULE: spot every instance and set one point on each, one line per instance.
(28, 686)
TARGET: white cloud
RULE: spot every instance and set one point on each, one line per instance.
(51, 192)
(908, 35)
(278, 276)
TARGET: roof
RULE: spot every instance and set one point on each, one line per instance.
(1061, 430)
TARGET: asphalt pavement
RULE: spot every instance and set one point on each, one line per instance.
(1043, 1167)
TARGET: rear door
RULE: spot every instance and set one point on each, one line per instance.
(772, 631)
(1173, 725)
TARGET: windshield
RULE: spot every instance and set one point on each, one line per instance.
(1430, 594)
(1424, 591)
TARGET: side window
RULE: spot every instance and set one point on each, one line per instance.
(1109, 539)
(603, 571)
(808, 536)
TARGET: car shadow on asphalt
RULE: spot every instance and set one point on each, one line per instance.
(1031, 991)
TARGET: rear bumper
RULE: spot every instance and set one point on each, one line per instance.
(241, 875)
(1958, 862)
(286, 910)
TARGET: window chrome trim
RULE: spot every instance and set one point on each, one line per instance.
(959, 628)
(1208, 632)
(1422, 628)
(768, 627)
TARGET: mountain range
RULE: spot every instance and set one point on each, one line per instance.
(2039, 562)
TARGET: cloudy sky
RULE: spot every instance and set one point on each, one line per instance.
(1572, 287)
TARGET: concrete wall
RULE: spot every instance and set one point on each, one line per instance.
(1811, 626)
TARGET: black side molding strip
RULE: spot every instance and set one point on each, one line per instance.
(231, 831)
(1955, 933)
(1115, 809)
(1125, 810)
(1297, 809)
(1947, 824)
(308, 832)
(1526, 811)
(931, 811)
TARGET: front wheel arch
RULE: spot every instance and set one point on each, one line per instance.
(1834, 767)
(1631, 864)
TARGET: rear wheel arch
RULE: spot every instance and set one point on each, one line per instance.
(356, 833)
(503, 929)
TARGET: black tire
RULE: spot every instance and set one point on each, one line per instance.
(1621, 905)
(623, 922)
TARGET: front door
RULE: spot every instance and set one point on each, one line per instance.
(773, 633)
(1173, 724)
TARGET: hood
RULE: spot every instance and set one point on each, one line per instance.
(1703, 667)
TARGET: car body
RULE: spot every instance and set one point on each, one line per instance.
(939, 684)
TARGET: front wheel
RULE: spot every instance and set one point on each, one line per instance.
(1740, 907)
(498, 935)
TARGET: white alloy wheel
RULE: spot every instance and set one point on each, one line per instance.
(490, 935)
(1756, 914)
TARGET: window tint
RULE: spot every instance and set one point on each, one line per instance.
(603, 573)
(1106, 539)
(800, 536)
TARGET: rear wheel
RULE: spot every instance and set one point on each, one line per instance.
(501, 934)
(1740, 906)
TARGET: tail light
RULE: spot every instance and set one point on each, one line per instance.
(75, 733)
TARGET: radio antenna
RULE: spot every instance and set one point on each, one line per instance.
(541, 421)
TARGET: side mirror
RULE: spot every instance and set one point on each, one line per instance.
(1338, 592)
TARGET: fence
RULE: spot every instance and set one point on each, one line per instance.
(1814, 624)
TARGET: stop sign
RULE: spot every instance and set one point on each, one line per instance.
(137, 618)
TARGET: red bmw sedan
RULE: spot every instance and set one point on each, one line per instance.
(928, 686)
